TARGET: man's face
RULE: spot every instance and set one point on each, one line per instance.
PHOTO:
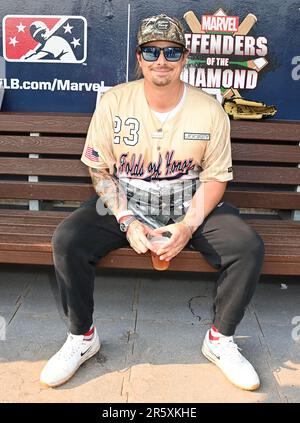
(162, 72)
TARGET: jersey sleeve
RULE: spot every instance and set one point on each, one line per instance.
(217, 162)
(98, 152)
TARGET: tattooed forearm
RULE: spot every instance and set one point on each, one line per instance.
(109, 189)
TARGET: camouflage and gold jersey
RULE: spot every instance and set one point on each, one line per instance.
(122, 137)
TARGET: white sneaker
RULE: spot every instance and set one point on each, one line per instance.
(62, 366)
(225, 354)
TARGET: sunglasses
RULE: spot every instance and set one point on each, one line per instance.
(152, 53)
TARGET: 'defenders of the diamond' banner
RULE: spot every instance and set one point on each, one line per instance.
(224, 56)
(62, 56)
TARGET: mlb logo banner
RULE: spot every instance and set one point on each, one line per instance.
(48, 39)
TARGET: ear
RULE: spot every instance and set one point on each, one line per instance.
(187, 51)
(138, 57)
(186, 55)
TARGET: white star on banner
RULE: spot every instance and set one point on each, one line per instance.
(68, 28)
(76, 42)
(13, 41)
(21, 27)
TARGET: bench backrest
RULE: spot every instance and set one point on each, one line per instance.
(39, 160)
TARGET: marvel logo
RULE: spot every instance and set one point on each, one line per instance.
(215, 23)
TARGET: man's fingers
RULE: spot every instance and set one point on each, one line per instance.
(150, 231)
(140, 243)
(149, 246)
(170, 245)
(169, 256)
(144, 242)
(167, 246)
(159, 231)
(136, 248)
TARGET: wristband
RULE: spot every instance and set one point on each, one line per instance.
(124, 213)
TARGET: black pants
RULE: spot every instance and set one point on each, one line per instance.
(224, 239)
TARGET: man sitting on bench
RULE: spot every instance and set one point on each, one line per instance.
(157, 135)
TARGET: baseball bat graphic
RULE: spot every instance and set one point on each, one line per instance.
(194, 62)
(243, 29)
(246, 25)
(193, 22)
(256, 64)
(229, 92)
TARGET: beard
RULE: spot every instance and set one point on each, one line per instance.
(162, 80)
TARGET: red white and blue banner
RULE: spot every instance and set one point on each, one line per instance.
(47, 39)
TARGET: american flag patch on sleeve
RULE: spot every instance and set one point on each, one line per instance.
(91, 154)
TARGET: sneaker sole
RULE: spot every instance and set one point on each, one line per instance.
(61, 382)
(205, 351)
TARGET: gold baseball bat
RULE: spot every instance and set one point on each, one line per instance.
(193, 22)
(246, 25)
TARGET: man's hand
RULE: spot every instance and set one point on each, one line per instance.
(181, 234)
(137, 237)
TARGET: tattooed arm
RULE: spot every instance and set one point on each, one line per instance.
(113, 196)
(109, 190)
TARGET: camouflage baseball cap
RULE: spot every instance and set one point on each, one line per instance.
(161, 28)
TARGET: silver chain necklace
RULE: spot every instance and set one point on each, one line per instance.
(158, 133)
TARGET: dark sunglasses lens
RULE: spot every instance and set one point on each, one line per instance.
(173, 54)
(150, 54)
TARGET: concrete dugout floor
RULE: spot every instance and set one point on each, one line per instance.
(151, 326)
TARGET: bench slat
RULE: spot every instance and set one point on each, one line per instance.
(25, 218)
(267, 175)
(72, 145)
(113, 260)
(41, 235)
(42, 213)
(81, 192)
(261, 225)
(43, 167)
(43, 243)
(45, 122)
(266, 153)
(41, 145)
(266, 130)
(46, 190)
(79, 123)
(30, 220)
(32, 226)
(272, 253)
(27, 230)
(284, 200)
(40, 240)
(20, 232)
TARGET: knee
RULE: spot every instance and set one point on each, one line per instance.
(252, 244)
(64, 240)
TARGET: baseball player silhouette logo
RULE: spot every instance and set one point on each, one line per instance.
(49, 39)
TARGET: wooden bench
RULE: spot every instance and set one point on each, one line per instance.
(42, 180)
